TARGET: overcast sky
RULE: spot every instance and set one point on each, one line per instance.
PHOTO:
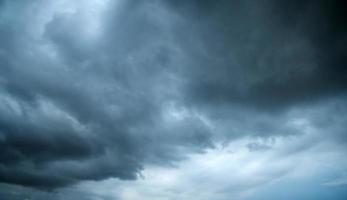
(173, 99)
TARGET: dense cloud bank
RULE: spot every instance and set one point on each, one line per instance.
(91, 90)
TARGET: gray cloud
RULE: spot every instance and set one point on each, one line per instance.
(267, 54)
(85, 112)
(92, 91)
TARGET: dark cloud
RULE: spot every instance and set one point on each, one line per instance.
(265, 54)
(77, 110)
(89, 97)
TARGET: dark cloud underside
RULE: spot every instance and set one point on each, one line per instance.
(78, 103)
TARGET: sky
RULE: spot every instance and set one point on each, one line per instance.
(173, 99)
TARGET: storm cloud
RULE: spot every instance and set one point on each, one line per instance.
(112, 92)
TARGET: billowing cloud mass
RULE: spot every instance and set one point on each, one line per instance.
(161, 99)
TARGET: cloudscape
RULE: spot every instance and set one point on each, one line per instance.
(173, 99)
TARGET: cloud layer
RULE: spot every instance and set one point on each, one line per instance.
(95, 90)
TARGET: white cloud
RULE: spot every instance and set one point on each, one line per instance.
(227, 172)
